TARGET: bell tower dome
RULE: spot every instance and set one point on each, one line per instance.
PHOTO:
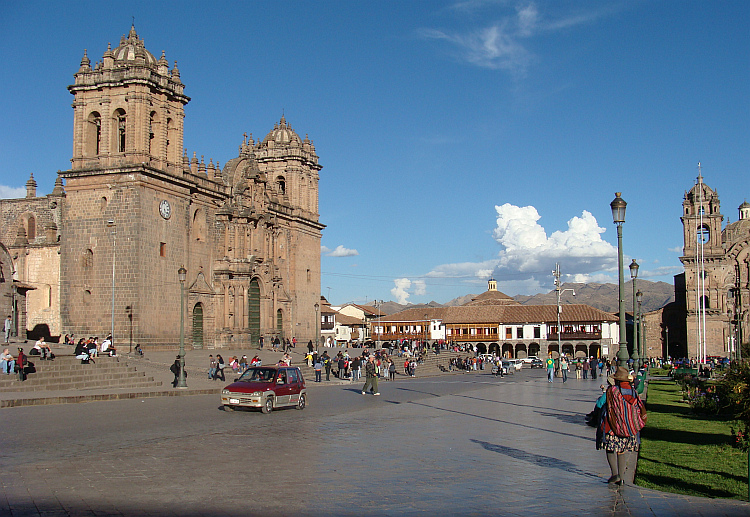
(128, 109)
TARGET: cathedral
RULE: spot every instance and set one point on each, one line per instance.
(717, 275)
(101, 253)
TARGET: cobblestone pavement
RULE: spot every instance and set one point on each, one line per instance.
(456, 445)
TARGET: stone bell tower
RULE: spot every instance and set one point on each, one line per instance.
(129, 109)
(706, 270)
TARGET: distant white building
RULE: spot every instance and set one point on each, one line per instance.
(494, 322)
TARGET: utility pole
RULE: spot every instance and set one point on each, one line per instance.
(560, 291)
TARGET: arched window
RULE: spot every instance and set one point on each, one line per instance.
(281, 185)
(152, 131)
(120, 130)
(92, 145)
(88, 259)
(103, 203)
(170, 138)
(704, 234)
(704, 303)
(199, 225)
(31, 228)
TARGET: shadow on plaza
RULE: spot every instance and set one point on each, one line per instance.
(682, 486)
(535, 459)
(725, 475)
(507, 422)
(687, 437)
(541, 408)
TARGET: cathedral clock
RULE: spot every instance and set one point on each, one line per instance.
(164, 209)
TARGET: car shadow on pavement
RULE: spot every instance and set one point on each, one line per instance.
(507, 422)
(535, 459)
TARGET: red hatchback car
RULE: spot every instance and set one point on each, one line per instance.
(267, 388)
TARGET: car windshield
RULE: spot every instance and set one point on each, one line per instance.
(258, 375)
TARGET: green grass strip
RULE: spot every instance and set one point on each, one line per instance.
(688, 454)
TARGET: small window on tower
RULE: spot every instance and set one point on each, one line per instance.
(162, 249)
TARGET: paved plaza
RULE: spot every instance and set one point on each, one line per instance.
(466, 444)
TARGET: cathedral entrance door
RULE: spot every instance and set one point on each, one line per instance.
(198, 326)
(253, 311)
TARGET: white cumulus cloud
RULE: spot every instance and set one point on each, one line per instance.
(401, 290)
(527, 249)
(12, 192)
(340, 251)
(528, 255)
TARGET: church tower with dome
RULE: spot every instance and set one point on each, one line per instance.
(134, 208)
(717, 274)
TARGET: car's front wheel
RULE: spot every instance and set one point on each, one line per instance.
(301, 402)
(268, 406)
(228, 408)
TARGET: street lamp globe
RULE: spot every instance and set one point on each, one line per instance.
(618, 206)
(634, 269)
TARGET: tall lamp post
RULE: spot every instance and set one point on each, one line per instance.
(317, 325)
(111, 224)
(618, 206)
(182, 275)
(129, 312)
(633, 276)
(378, 303)
(560, 291)
(641, 333)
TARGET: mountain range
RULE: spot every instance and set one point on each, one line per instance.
(601, 296)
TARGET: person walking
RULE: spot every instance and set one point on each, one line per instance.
(625, 417)
(211, 366)
(593, 368)
(318, 369)
(564, 368)
(327, 364)
(219, 368)
(371, 378)
(579, 368)
(550, 368)
(21, 365)
(586, 367)
(391, 370)
(175, 369)
(8, 325)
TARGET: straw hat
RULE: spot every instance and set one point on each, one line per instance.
(622, 375)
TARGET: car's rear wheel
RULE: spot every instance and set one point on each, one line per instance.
(268, 406)
(301, 402)
(228, 408)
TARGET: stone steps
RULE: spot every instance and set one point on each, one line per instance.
(67, 373)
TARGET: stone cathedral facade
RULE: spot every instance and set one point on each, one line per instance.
(134, 208)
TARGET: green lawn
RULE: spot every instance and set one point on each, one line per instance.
(685, 453)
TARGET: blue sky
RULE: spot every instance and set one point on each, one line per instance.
(458, 139)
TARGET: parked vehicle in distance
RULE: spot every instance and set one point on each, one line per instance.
(498, 370)
(508, 366)
(267, 388)
(517, 363)
(536, 363)
(530, 359)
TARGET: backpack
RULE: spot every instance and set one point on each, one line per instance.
(625, 418)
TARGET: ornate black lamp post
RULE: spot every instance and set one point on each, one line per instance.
(317, 325)
(618, 206)
(641, 333)
(182, 275)
(633, 276)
